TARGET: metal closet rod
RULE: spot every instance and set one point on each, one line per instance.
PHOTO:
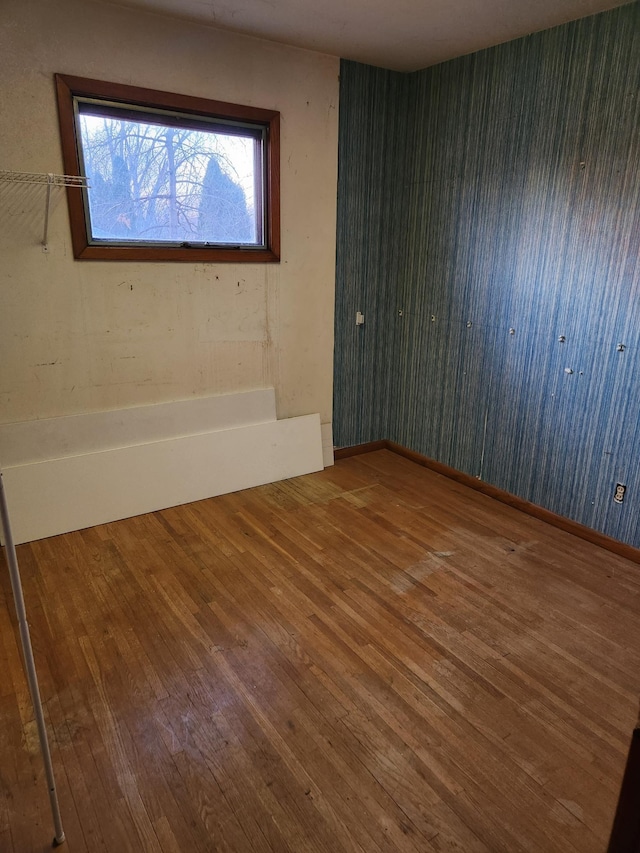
(49, 179)
(29, 663)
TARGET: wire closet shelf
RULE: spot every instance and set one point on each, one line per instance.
(48, 179)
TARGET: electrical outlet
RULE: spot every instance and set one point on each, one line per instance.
(618, 495)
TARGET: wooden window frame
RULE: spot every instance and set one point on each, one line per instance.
(70, 87)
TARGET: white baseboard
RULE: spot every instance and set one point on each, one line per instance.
(51, 495)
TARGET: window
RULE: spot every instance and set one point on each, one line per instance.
(170, 177)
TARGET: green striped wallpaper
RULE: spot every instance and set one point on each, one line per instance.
(489, 230)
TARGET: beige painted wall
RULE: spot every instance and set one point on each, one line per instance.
(80, 336)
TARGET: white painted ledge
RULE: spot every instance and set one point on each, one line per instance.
(65, 474)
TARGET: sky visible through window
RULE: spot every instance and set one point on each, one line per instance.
(154, 183)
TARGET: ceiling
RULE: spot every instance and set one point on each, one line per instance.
(403, 35)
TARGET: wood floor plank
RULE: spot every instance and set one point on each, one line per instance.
(370, 659)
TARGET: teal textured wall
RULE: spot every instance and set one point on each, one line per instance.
(488, 207)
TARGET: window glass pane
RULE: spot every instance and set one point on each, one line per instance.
(155, 183)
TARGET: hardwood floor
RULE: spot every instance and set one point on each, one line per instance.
(373, 658)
